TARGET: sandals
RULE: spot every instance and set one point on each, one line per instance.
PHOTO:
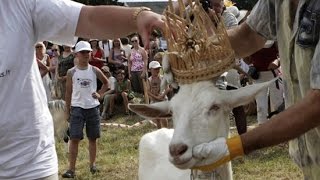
(68, 174)
(93, 169)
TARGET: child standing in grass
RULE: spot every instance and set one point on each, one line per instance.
(154, 91)
(82, 105)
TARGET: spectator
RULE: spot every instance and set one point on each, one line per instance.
(107, 95)
(137, 67)
(117, 56)
(154, 91)
(55, 93)
(154, 45)
(43, 60)
(83, 105)
(122, 94)
(54, 60)
(106, 46)
(266, 67)
(126, 46)
(97, 56)
(65, 62)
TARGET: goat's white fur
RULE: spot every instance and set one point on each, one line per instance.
(153, 157)
(57, 110)
(195, 121)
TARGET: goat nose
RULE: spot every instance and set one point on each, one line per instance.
(177, 150)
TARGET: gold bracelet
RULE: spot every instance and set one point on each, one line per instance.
(137, 12)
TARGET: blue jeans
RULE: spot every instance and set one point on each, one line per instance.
(80, 117)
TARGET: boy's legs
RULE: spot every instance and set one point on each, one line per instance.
(76, 134)
(92, 151)
(73, 153)
(93, 132)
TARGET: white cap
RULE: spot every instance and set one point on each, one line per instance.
(238, 14)
(154, 65)
(105, 68)
(83, 46)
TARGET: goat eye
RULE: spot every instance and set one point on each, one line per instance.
(214, 107)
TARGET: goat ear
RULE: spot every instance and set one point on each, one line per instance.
(245, 94)
(153, 111)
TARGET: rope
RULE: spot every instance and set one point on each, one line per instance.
(126, 126)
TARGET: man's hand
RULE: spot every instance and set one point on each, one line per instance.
(274, 65)
(67, 115)
(217, 152)
(146, 22)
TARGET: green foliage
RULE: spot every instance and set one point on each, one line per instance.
(245, 4)
(100, 2)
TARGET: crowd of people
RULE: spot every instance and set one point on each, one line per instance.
(123, 61)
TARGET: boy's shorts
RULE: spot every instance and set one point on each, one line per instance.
(80, 117)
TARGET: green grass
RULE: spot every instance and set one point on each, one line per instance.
(117, 157)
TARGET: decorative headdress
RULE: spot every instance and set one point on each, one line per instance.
(198, 46)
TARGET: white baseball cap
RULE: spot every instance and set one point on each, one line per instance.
(239, 14)
(83, 46)
(154, 65)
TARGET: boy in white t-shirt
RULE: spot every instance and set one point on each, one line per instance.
(83, 105)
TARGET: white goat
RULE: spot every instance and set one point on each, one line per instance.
(57, 110)
(200, 113)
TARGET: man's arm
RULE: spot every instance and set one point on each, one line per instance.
(95, 22)
(244, 40)
(289, 124)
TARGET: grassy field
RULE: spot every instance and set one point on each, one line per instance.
(117, 157)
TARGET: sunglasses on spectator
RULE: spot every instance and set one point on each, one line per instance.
(134, 41)
(38, 47)
(54, 50)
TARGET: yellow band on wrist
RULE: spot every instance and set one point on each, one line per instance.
(235, 147)
(211, 167)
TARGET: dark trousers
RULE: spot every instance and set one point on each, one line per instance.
(239, 116)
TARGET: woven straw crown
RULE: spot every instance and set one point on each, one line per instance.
(198, 47)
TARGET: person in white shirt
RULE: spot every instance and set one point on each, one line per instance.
(106, 46)
(83, 105)
(27, 147)
(126, 46)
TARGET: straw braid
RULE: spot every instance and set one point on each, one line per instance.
(198, 49)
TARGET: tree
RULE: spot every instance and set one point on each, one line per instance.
(100, 2)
